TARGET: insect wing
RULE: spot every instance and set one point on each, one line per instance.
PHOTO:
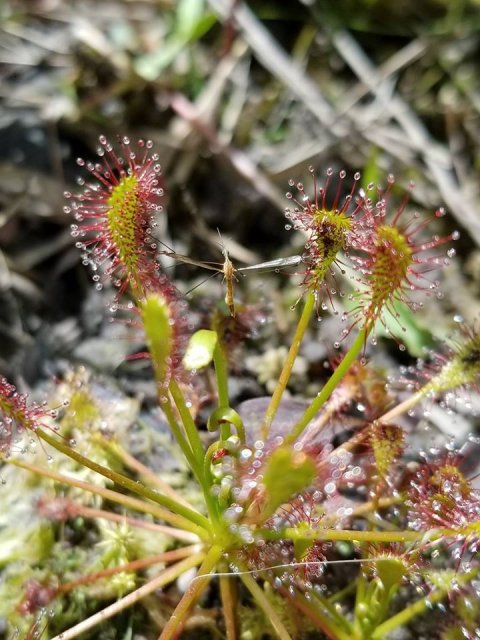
(195, 263)
(280, 263)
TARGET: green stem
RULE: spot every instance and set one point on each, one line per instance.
(291, 533)
(330, 386)
(339, 595)
(191, 595)
(401, 408)
(229, 597)
(181, 440)
(188, 423)
(313, 609)
(372, 506)
(197, 449)
(159, 338)
(420, 606)
(339, 621)
(264, 604)
(127, 483)
(221, 372)
(142, 470)
(360, 597)
(213, 503)
(226, 416)
(118, 498)
(288, 365)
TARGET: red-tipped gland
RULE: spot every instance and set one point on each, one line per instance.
(391, 260)
(329, 219)
(117, 213)
(387, 442)
(396, 263)
(17, 416)
(441, 496)
(392, 564)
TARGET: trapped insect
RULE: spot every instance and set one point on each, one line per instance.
(229, 270)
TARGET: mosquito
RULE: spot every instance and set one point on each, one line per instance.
(229, 271)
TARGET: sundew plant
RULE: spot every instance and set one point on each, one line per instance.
(318, 527)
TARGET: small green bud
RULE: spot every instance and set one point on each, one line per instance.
(200, 350)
